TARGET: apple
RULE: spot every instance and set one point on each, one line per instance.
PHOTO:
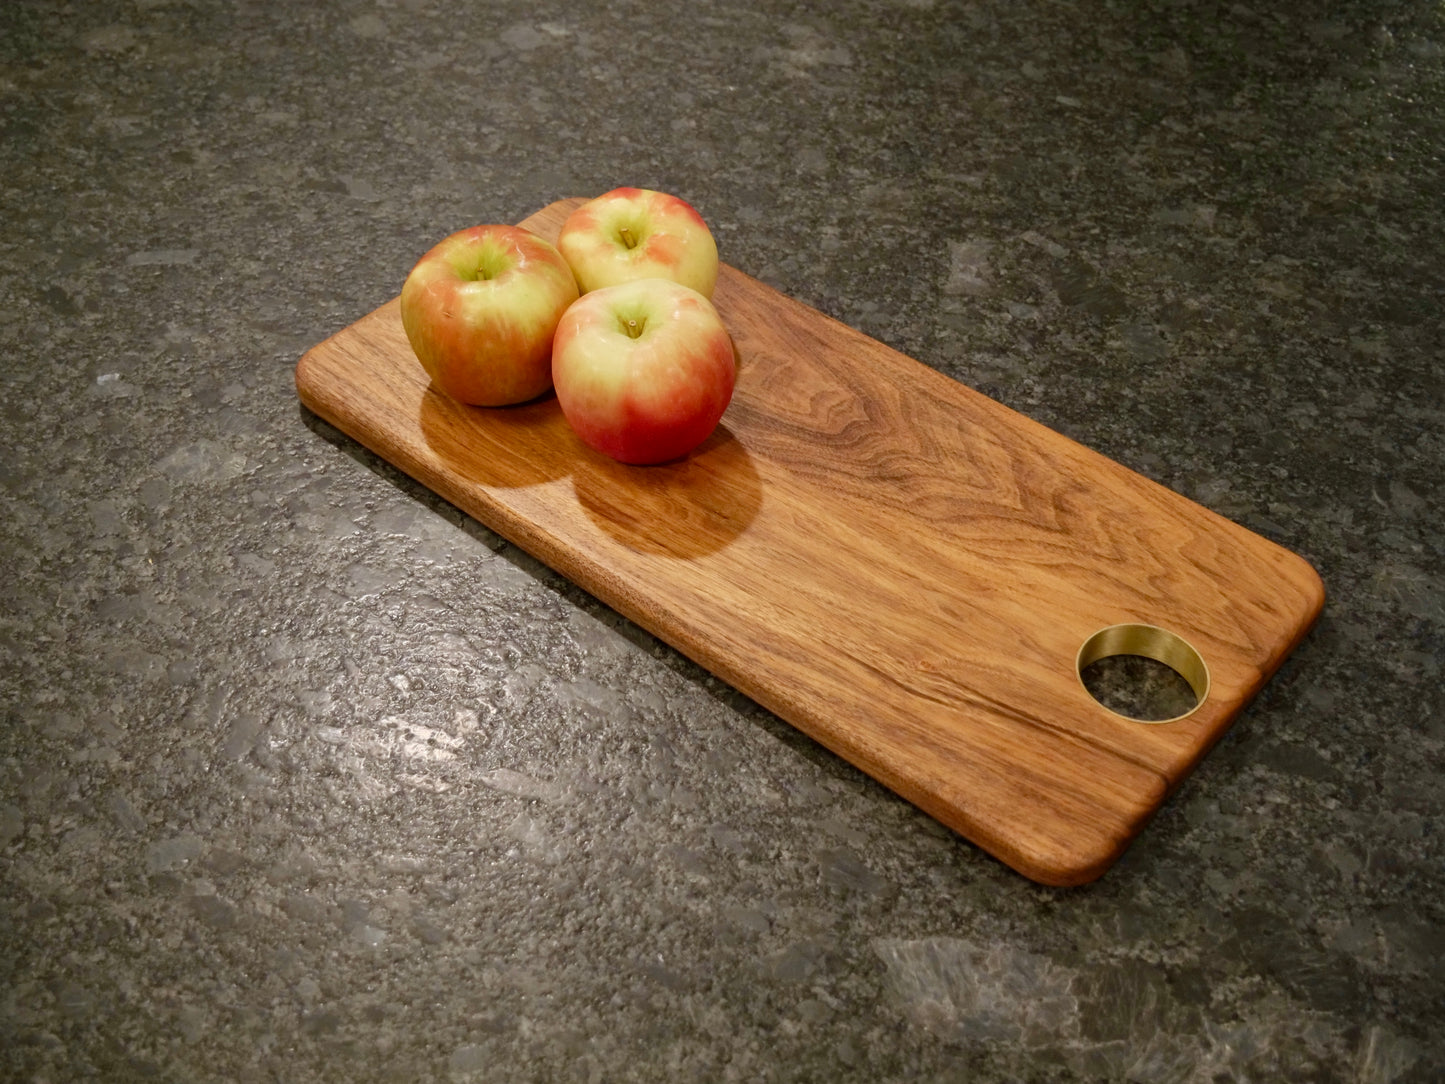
(480, 310)
(636, 233)
(643, 370)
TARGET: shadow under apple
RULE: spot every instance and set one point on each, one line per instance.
(506, 447)
(686, 508)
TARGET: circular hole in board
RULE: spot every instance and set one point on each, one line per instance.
(1143, 673)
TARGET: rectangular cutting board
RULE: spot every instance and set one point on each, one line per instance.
(893, 563)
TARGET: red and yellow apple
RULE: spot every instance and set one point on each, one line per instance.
(480, 310)
(643, 370)
(636, 233)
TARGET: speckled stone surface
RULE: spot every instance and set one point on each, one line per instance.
(305, 777)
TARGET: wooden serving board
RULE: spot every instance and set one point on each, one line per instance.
(895, 564)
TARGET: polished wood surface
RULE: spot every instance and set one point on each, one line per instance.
(895, 564)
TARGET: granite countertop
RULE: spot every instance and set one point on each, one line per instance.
(305, 776)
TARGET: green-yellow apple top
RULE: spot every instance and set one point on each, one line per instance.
(636, 233)
(480, 310)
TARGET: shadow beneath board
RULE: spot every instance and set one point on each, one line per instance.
(403, 482)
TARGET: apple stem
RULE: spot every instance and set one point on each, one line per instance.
(626, 237)
(633, 330)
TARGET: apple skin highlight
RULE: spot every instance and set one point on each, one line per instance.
(480, 310)
(643, 370)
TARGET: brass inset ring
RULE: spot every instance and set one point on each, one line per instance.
(1151, 642)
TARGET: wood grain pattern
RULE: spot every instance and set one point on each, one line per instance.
(895, 564)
